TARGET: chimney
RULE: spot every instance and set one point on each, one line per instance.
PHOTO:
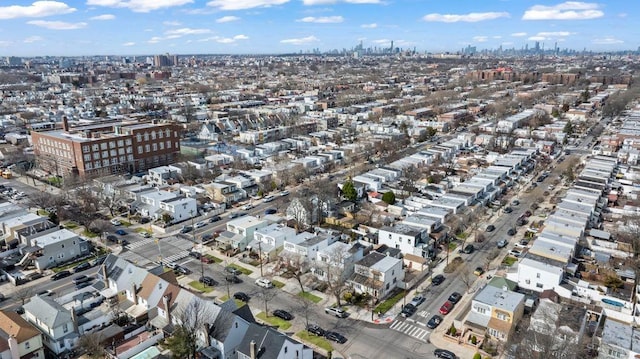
(103, 267)
(252, 349)
(167, 309)
(65, 124)
(134, 293)
(14, 347)
(74, 320)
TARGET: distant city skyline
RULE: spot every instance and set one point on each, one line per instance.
(142, 27)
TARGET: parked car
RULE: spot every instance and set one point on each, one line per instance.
(145, 220)
(82, 266)
(502, 243)
(455, 297)
(444, 354)
(145, 234)
(515, 202)
(508, 210)
(81, 279)
(112, 238)
(478, 271)
(491, 228)
(527, 213)
(516, 253)
(408, 310)
(200, 224)
(434, 321)
(241, 296)
(183, 270)
(446, 308)
(269, 198)
(523, 243)
(336, 337)
(232, 270)
(237, 214)
(116, 222)
(282, 314)
(270, 211)
(60, 275)
(82, 285)
(206, 237)
(417, 300)
(437, 280)
(284, 193)
(186, 229)
(264, 283)
(511, 231)
(338, 312)
(215, 219)
(315, 329)
(206, 280)
(232, 278)
(468, 249)
(121, 232)
(194, 254)
(247, 207)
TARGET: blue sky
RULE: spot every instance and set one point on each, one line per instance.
(134, 27)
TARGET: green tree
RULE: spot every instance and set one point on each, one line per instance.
(431, 131)
(349, 191)
(182, 343)
(568, 128)
(389, 197)
(477, 356)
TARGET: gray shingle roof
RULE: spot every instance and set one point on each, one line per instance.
(50, 313)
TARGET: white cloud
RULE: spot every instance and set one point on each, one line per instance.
(569, 10)
(140, 5)
(300, 41)
(244, 4)
(128, 44)
(171, 23)
(480, 38)
(58, 25)
(536, 38)
(36, 9)
(609, 40)
(471, 17)
(224, 19)
(155, 40)
(103, 17)
(225, 40)
(329, 2)
(176, 33)
(369, 26)
(241, 37)
(550, 35)
(519, 34)
(32, 39)
(322, 19)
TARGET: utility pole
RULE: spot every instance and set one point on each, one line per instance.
(260, 258)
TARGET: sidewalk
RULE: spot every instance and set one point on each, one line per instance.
(37, 184)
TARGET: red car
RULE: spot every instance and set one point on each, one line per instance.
(446, 308)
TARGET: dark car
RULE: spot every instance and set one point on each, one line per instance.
(527, 214)
(491, 228)
(145, 220)
(315, 329)
(232, 278)
(82, 285)
(214, 219)
(121, 232)
(183, 270)
(186, 229)
(232, 270)
(336, 337)
(434, 321)
(455, 297)
(511, 231)
(207, 237)
(508, 210)
(282, 314)
(99, 260)
(241, 296)
(81, 279)
(112, 238)
(60, 275)
(82, 266)
(206, 280)
(195, 254)
(270, 211)
(444, 354)
(437, 280)
(468, 249)
(408, 310)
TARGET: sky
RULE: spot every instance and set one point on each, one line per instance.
(142, 27)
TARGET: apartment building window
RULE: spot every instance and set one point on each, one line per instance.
(85, 149)
(153, 135)
(177, 145)
(139, 137)
(128, 141)
(161, 144)
(96, 155)
(112, 144)
(87, 157)
(139, 150)
(113, 153)
(168, 132)
(88, 166)
(146, 136)
(502, 316)
(105, 154)
(147, 148)
(103, 146)
(96, 147)
(120, 143)
(129, 149)
(155, 147)
(160, 135)
(105, 163)
(130, 157)
(96, 164)
(65, 328)
(114, 161)
(121, 151)
(122, 158)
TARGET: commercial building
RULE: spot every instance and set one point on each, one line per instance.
(106, 148)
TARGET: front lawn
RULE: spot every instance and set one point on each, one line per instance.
(200, 286)
(389, 303)
(125, 223)
(241, 269)
(310, 296)
(214, 259)
(509, 260)
(275, 321)
(320, 342)
(87, 233)
(71, 265)
(277, 284)
(70, 225)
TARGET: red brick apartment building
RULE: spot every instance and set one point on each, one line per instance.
(106, 148)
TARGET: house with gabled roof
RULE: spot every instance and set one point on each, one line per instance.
(55, 322)
(18, 338)
(267, 343)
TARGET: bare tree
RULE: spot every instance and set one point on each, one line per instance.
(467, 277)
(306, 308)
(23, 293)
(267, 294)
(40, 200)
(295, 266)
(91, 345)
(334, 269)
(191, 323)
(99, 226)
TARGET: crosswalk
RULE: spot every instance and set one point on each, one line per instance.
(140, 243)
(411, 328)
(175, 257)
(424, 313)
